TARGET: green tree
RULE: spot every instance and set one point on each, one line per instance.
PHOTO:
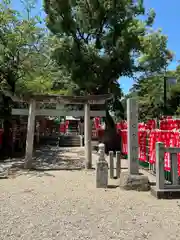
(20, 44)
(149, 92)
(103, 40)
(174, 94)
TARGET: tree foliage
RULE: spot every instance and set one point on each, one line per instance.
(19, 42)
(102, 40)
(149, 92)
(25, 50)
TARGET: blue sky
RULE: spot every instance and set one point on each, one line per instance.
(167, 18)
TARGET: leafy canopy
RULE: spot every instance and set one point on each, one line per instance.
(20, 43)
(102, 40)
(25, 48)
(149, 92)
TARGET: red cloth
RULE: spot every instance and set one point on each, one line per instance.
(142, 135)
(97, 122)
(169, 124)
(124, 141)
(67, 124)
(62, 128)
(142, 144)
(151, 124)
(170, 139)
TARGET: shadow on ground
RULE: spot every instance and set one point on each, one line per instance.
(47, 158)
(53, 158)
(113, 186)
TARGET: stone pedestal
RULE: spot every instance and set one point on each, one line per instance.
(101, 169)
(136, 182)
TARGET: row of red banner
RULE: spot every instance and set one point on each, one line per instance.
(147, 142)
(165, 124)
(149, 125)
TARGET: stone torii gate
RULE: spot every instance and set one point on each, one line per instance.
(34, 100)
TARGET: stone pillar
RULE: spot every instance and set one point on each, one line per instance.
(160, 165)
(30, 134)
(118, 164)
(132, 121)
(87, 136)
(102, 169)
(111, 164)
(132, 180)
(81, 140)
(174, 168)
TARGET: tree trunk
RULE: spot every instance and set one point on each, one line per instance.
(111, 139)
(110, 125)
(7, 134)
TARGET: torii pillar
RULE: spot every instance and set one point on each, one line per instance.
(30, 134)
(87, 136)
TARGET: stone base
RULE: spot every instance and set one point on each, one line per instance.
(134, 182)
(165, 193)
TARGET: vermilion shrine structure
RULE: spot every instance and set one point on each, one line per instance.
(35, 100)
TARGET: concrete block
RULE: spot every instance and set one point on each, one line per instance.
(137, 182)
(165, 193)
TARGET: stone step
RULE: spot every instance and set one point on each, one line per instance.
(61, 142)
(69, 141)
(69, 145)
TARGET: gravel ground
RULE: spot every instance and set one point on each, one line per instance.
(65, 205)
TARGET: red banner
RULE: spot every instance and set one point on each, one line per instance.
(142, 126)
(166, 135)
(177, 144)
(170, 139)
(151, 124)
(169, 124)
(142, 145)
(100, 133)
(67, 124)
(124, 141)
(62, 128)
(122, 125)
(97, 122)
